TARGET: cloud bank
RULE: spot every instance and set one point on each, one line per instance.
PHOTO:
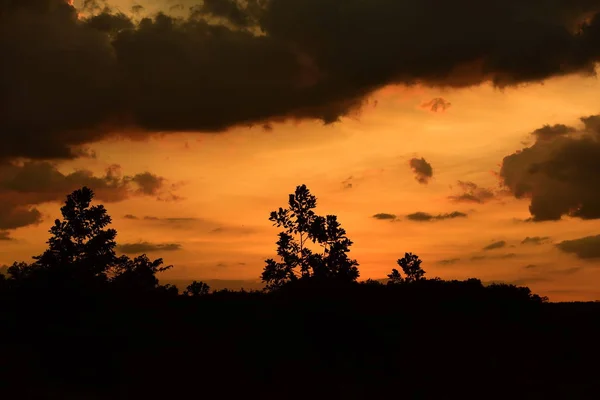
(559, 172)
(69, 80)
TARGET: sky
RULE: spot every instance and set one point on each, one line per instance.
(467, 135)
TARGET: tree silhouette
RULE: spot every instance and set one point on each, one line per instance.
(411, 266)
(137, 274)
(395, 277)
(302, 225)
(81, 248)
(81, 252)
(197, 289)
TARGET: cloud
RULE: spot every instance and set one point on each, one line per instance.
(559, 174)
(496, 245)
(5, 236)
(436, 104)
(147, 247)
(385, 216)
(536, 240)
(25, 185)
(149, 184)
(549, 132)
(493, 257)
(239, 230)
(261, 61)
(585, 248)
(449, 261)
(130, 216)
(171, 220)
(527, 281)
(472, 193)
(423, 216)
(531, 266)
(347, 183)
(422, 169)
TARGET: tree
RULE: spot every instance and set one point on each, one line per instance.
(411, 266)
(81, 252)
(395, 277)
(197, 289)
(302, 225)
(81, 248)
(138, 274)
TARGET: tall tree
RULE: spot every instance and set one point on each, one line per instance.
(81, 252)
(80, 248)
(301, 226)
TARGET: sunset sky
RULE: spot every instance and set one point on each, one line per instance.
(192, 130)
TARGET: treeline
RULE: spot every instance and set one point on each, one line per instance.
(80, 322)
(312, 251)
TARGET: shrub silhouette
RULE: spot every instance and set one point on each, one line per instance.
(197, 289)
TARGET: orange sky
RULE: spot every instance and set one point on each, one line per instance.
(231, 181)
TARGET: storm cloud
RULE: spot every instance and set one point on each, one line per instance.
(558, 173)
(70, 78)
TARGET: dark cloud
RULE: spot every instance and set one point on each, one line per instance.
(527, 281)
(558, 174)
(568, 271)
(423, 216)
(25, 185)
(5, 236)
(261, 61)
(149, 184)
(422, 169)
(493, 257)
(130, 216)
(240, 230)
(347, 183)
(531, 266)
(436, 104)
(496, 245)
(536, 240)
(449, 261)
(385, 216)
(472, 193)
(147, 247)
(175, 220)
(585, 248)
(549, 132)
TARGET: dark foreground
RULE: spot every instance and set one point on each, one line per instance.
(357, 342)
